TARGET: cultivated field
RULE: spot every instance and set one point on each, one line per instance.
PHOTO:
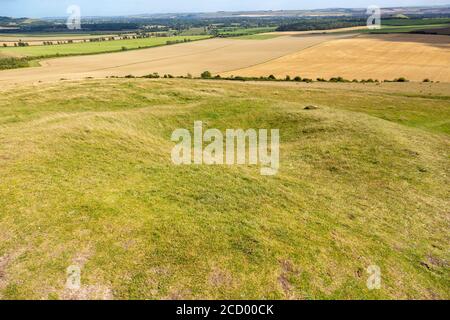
(352, 56)
(38, 39)
(382, 57)
(86, 180)
(215, 55)
(92, 47)
(294, 33)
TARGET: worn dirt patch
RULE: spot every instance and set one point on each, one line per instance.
(220, 278)
(86, 292)
(5, 261)
(179, 294)
(90, 292)
(288, 270)
(431, 262)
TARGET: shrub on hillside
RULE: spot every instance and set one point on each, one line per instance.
(401, 79)
(154, 75)
(338, 79)
(206, 75)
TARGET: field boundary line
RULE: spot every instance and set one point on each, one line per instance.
(161, 59)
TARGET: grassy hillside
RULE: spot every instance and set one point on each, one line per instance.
(92, 47)
(86, 179)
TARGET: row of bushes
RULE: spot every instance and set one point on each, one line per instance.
(208, 75)
(169, 42)
(154, 75)
(18, 44)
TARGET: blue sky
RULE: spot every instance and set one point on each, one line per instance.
(48, 8)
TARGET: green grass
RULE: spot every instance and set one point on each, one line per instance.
(93, 47)
(86, 179)
(194, 31)
(405, 29)
(235, 32)
(52, 34)
(417, 22)
(13, 63)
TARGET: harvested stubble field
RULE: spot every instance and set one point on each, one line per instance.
(86, 179)
(352, 56)
(382, 57)
(215, 55)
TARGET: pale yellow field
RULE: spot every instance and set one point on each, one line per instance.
(352, 56)
(216, 55)
(382, 57)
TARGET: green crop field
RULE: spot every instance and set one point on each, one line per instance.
(92, 47)
(406, 28)
(86, 179)
(52, 34)
(417, 22)
(244, 31)
(194, 31)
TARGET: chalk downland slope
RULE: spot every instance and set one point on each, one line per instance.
(86, 180)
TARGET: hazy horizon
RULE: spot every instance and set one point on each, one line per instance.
(54, 8)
